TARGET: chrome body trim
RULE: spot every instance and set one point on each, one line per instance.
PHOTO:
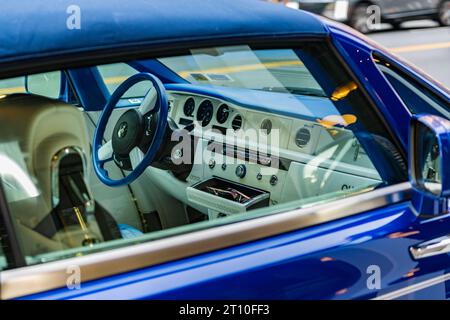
(52, 275)
(414, 288)
(431, 248)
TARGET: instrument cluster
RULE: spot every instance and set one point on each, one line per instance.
(206, 112)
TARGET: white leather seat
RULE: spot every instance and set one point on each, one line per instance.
(32, 130)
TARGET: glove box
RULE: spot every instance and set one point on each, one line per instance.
(223, 197)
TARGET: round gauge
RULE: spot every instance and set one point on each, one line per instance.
(189, 107)
(302, 137)
(266, 126)
(205, 112)
(222, 113)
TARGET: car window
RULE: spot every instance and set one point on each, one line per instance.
(301, 132)
(114, 74)
(417, 98)
(45, 84)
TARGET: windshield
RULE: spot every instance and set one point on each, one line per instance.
(278, 70)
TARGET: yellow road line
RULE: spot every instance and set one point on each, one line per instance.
(421, 47)
(111, 80)
(248, 67)
(12, 90)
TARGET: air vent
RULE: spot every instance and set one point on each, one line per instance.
(302, 137)
(236, 124)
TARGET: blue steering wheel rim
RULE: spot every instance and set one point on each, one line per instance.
(161, 107)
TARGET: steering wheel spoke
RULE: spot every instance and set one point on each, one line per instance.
(136, 156)
(105, 153)
(149, 104)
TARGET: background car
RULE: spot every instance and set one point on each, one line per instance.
(362, 16)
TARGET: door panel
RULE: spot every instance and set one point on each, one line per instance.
(329, 261)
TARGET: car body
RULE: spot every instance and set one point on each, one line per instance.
(353, 12)
(357, 246)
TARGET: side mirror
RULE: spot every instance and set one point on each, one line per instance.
(44, 84)
(429, 164)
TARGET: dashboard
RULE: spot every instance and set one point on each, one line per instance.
(311, 159)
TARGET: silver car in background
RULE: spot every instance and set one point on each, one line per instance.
(366, 15)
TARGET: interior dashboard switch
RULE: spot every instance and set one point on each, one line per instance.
(241, 171)
(212, 163)
(273, 180)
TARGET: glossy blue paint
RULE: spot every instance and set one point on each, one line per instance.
(358, 51)
(328, 261)
(358, 56)
(111, 25)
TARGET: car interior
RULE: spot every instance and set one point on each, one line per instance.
(246, 132)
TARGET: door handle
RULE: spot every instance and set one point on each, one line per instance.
(431, 248)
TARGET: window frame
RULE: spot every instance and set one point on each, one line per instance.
(53, 275)
(147, 254)
(414, 77)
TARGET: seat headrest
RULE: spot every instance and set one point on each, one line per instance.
(32, 130)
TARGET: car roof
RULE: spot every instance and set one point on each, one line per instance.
(32, 29)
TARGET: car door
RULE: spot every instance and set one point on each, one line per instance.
(365, 256)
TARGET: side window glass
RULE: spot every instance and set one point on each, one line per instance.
(324, 146)
(46, 84)
(114, 74)
(416, 97)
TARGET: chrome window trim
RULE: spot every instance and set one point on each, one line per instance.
(38, 278)
(414, 288)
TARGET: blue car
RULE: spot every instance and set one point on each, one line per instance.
(216, 150)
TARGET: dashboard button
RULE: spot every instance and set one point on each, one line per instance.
(273, 180)
(224, 166)
(259, 176)
(212, 163)
(241, 171)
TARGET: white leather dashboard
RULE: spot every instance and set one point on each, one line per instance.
(312, 159)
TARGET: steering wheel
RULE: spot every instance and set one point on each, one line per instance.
(137, 135)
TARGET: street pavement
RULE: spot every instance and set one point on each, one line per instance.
(422, 43)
